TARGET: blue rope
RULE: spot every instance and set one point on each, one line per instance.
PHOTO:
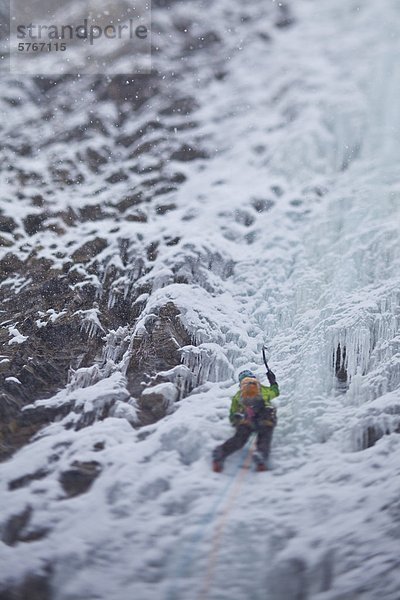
(187, 554)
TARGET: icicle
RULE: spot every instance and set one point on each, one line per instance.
(207, 362)
(90, 321)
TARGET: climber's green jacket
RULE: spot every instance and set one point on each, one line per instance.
(268, 394)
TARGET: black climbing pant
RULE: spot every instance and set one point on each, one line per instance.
(243, 432)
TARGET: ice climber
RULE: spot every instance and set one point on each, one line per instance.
(251, 411)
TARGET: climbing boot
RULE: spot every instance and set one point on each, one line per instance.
(217, 466)
(217, 461)
(259, 462)
(261, 467)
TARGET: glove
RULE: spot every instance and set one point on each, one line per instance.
(271, 377)
(237, 418)
(269, 417)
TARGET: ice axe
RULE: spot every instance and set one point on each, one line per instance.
(270, 374)
(264, 353)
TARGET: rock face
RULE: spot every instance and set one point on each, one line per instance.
(79, 478)
(76, 259)
(157, 347)
(45, 343)
(42, 339)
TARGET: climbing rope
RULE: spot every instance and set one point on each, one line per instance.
(187, 553)
(219, 528)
